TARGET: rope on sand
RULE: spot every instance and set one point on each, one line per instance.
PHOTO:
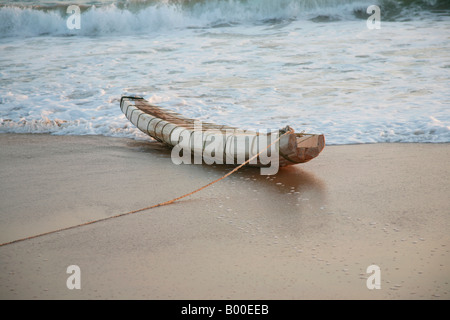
(288, 130)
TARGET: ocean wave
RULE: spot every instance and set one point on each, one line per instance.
(146, 16)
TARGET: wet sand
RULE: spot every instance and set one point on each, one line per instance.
(309, 232)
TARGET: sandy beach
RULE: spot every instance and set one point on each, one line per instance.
(309, 232)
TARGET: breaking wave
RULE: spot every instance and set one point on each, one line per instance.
(146, 16)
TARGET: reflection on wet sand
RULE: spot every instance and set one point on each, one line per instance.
(292, 180)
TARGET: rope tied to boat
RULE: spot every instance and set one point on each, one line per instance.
(283, 132)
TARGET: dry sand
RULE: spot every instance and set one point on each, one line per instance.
(310, 232)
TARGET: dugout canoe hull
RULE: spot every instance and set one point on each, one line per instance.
(236, 145)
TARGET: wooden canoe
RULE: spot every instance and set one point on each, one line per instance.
(167, 127)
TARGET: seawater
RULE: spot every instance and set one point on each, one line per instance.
(313, 65)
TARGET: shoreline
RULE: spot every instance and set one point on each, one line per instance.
(308, 232)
